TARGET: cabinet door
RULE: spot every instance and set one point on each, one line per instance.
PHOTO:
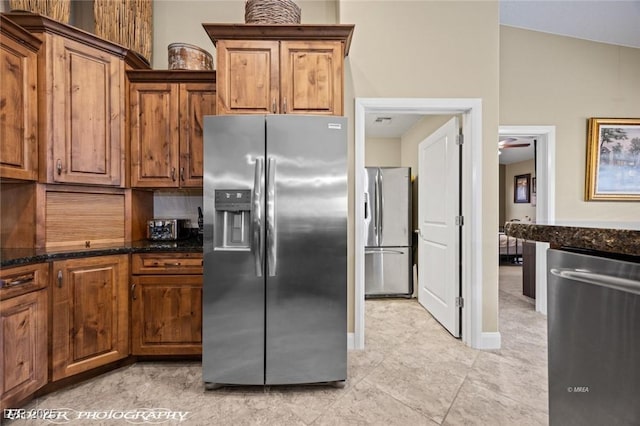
(247, 77)
(154, 135)
(166, 315)
(23, 346)
(196, 101)
(90, 313)
(18, 111)
(86, 123)
(311, 77)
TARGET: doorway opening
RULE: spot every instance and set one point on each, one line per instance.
(471, 205)
(544, 172)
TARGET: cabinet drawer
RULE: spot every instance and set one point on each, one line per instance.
(23, 279)
(166, 263)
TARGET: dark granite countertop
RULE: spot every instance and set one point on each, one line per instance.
(608, 237)
(23, 256)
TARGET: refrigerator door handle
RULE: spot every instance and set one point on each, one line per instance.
(272, 231)
(376, 197)
(384, 251)
(380, 210)
(256, 216)
(366, 205)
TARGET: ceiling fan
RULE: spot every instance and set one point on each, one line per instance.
(509, 143)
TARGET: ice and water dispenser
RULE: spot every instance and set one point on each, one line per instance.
(233, 219)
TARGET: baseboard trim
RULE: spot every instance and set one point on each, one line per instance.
(490, 340)
(351, 339)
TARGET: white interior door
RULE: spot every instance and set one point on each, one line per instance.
(439, 242)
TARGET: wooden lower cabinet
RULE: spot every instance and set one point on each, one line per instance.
(23, 333)
(90, 313)
(166, 317)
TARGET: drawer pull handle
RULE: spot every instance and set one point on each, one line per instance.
(60, 279)
(172, 264)
(133, 291)
(182, 173)
(21, 279)
(173, 174)
(59, 167)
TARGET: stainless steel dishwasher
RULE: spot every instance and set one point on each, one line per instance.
(594, 339)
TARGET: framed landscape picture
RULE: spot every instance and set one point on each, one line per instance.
(522, 188)
(613, 159)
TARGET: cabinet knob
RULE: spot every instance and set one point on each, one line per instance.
(59, 167)
(60, 279)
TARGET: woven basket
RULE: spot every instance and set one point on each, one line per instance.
(271, 12)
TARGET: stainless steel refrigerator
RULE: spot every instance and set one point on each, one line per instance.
(388, 255)
(275, 250)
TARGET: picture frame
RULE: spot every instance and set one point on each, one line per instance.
(522, 188)
(613, 159)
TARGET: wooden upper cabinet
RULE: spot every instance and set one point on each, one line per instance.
(196, 101)
(18, 102)
(87, 95)
(166, 132)
(249, 77)
(286, 69)
(311, 80)
(154, 134)
(90, 313)
(81, 104)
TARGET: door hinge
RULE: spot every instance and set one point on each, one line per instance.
(459, 302)
(459, 220)
(460, 139)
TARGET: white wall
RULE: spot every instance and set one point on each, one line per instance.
(382, 152)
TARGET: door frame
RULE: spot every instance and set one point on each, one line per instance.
(472, 237)
(545, 195)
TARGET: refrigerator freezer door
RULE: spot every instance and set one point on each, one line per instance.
(233, 290)
(306, 312)
(386, 271)
(394, 219)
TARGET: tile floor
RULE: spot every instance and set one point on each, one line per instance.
(412, 373)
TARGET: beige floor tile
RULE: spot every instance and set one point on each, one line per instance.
(366, 404)
(426, 386)
(475, 405)
(517, 380)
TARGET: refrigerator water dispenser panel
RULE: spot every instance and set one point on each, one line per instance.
(233, 211)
